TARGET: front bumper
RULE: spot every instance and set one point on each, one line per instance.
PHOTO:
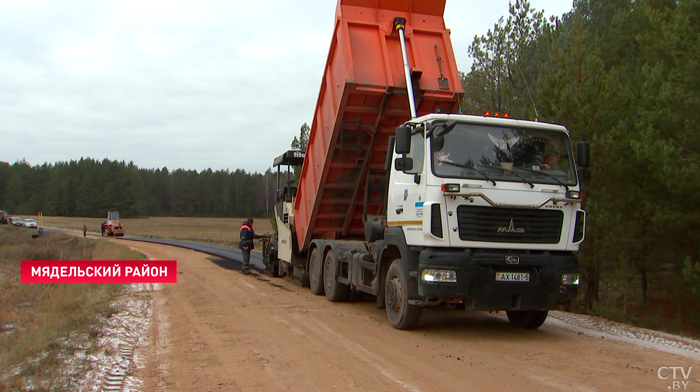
(476, 279)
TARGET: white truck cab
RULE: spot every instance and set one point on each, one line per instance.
(486, 183)
(490, 213)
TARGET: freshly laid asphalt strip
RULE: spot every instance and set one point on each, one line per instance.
(224, 252)
(230, 254)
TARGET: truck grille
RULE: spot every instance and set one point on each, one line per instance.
(494, 224)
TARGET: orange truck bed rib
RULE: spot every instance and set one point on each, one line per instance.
(362, 100)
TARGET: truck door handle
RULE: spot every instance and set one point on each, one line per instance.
(399, 210)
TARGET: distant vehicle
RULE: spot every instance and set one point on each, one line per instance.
(3, 217)
(31, 223)
(112, 227)
(16, 221)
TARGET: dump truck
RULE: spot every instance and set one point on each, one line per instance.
(112, 227)
(402, 198)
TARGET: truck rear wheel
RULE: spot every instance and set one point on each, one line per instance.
(527, 319)
(315, 272)
(335, 291)
(401, 314)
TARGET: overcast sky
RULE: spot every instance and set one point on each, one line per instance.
(193, 84)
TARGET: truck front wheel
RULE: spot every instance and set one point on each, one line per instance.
(315, 276)
(401, 314)
(528, 319)
(335, 291)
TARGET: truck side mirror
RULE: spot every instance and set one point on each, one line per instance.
(403, 164)
(583, 156)
(403, 140)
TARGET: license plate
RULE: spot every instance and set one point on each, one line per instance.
(512, 277)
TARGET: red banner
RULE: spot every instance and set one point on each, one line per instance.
(101, 271)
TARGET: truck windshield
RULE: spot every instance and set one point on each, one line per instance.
(495, 153)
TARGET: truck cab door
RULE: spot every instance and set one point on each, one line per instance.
(407, 192)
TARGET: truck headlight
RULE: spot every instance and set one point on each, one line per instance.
(570, 279)
(574, 195)
(439, 275)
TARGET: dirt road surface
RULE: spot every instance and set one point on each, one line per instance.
(219, 330)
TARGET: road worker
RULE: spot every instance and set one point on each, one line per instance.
(550, 161)
(246, 244)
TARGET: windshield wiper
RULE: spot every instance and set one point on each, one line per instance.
(516, 174)
(472, 168)
(544, 174)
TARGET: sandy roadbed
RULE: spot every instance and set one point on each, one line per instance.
(218, 330)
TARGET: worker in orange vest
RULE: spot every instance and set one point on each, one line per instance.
(246, 244)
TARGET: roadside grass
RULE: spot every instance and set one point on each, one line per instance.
(40, 322)
(217, 231)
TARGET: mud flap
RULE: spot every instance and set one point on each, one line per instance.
(380, 285)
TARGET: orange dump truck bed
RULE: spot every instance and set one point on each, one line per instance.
(362, 100)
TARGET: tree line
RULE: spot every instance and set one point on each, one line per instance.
(89, 188)
(624, 75)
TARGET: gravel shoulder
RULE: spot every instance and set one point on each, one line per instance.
(219, 330)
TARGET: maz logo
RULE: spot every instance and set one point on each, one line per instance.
(511, 229)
